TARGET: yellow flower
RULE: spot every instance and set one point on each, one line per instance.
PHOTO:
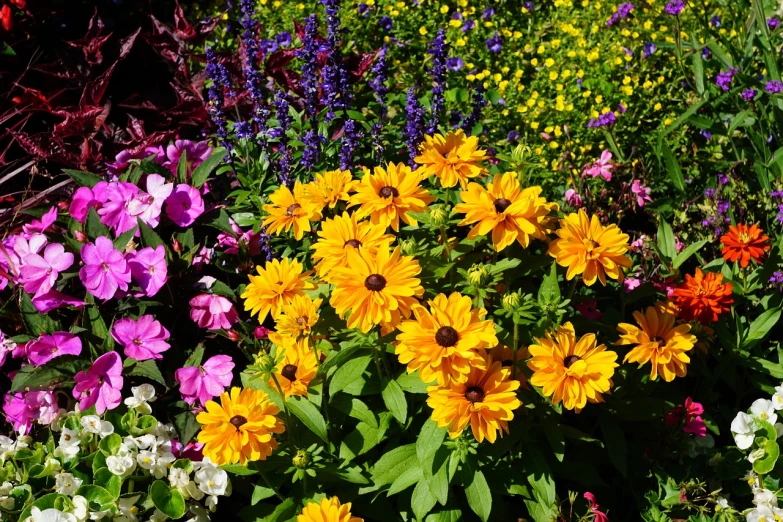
(587, 247)
(240, 428)
(389, 194)
(275, 285)
(659, 342)
(297, 367)
(330, 187)
(443, 342)
(570, 371)
(298, 316)
(377, 288)
(486, 401)
(510, 212)
(453, 158)
(329, 510)
(290, 209)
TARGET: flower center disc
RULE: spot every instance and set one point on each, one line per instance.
(446, 336)
(375, 282)
(501, 205)
(237, 421)
(289, 372)
(570, 360)
(353, 242)
(387, 192)
(474, 394)
(289, 212)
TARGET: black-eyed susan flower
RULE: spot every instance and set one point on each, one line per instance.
(296, 368)
(507, 210)
(486, 401)
(328, 510)
(445, 341)
(241, 428)
(387, 195)
(290, 210)
(658, 341)
(376, 288)
(275, 285)
(453, 158)
(341, 234)
(587, 247)
(570, 371)
(330, 187)
(298, 316)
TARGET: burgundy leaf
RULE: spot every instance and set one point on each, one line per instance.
(94, 90)
(127, 43)
(184, 30)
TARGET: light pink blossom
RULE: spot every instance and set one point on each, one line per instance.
(39, 226)
(184, 205)
(143, 339)
(602, 167)
(630, 283)
(86, 197)
(105, 269)
(39, 273)
(54, 299)
(213, 312)
(573, 198)
(148, 268)
(114, 213)
(47, 347)
(204, 382)
(23, 409)
(642, 193)
(101, 385)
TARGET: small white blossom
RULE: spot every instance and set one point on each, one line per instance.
(191, 491)
(52, 465)
(6, 501)
(743, 428)
(764, 497)
(212, 480)
(127, 509)
(205, 283)
(764, 514)
(211, 503)
(68, 445)
(81, 508)
(764, 410)
(755, 455)
(67, 484)
(94, 424)
(143, 442)
(121, 464)
(49, 515)
(178, 478)
(141, 396)
(157, 516)
(99, 515)
(721, 503)
(777, 398)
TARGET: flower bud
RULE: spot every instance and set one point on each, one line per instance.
(233, 335)
(301, 459)
(80, 236)
(439, 216)
(176, 246)
(263, 361)
(511, 301)
(261, 332)
(62, 205)
(478, 275)
(408, 246)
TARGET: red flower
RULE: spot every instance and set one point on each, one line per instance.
(743, 244)
(693, 422)
(600, 516)
(6, 18)
(703, 297)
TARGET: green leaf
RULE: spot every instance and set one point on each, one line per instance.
(673, 166)
(410, 476)
(149, 370)
(666, 242)
(422, 500)
(110, 444)
(615, 445)
(239, 470)
(97, 495)
(222, 223)
(766, 463)
(539, 477)
(549, 291)
(40, 377)
(148, 236)
(393, 464)
(182, 168)
(430, 439)
(93, 226)
(202, 172)
(283, 512)
(355, 408)
(479, 495)
(196, 356)
(186, 425)
(169, 501)
(348, 372)
(306, 412)
(121, 243)
(109, 481)
(92, 320)
(36, 322)
(84, 179)
(761, 327)
(688, 251)
(394, 398)
(261, 493)
(150, 166)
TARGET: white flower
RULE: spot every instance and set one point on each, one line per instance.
(147, 459)
(98, 515)
(764, 497)
(205, 283)
(121, 465)
(144, 442)
(68, 445)
(756, 454)
(743, 429)
(141, 396)
(777, 399)
(52, 465)
(212, 480)
(765, 410)
(94, 424)
(764, 514)
(127, 509)
(50, 515)
(199, 514)
(164, 431)
(721, 503)
(6, 502)
(211, 502)
(81, 508)
(157, 516)
(178, 478)
(67, 484)
(191, 491)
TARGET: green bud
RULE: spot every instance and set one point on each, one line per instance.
(521, 152)
(263, 362)
(478, 275)
(408, 246)
(301, 459)
(511, 301)
(439, 216)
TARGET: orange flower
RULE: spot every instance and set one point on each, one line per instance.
(703, 297)
(744, 243)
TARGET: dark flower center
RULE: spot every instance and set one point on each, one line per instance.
(570, 360)
(375, 282)
(474, 394)
(595, 243)
(354, 243)
(507, 363)
(237, 421)
(388, 192)
(502, 204)
(660, 340)
(289, 372)
(289, 212)
(446, 336)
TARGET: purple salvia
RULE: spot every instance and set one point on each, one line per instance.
(479, 101)
(380, 73)
(414, 126)
(284, 121)
(312, 149)
(250, 68)
(350, 143)
(309, 55)
(335, 77)
(439, 52)
(221, 81)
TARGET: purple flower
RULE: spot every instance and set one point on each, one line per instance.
(284, 121)
(39, 273)
(707, 134)
(204, 382)
(105, 270)
(715, 21)
(101, 385)
(221, 81)
(623, 10)
(773, 23)
(749, 94)
(414, 126)
(487, 14)
(350, 142)
(512, 135)
(642, 193)
(143, 339)
(196, 153)
(675, 7)
(606, 119)
(312, 142)
(309, 55)
(283, 39)
(495, 43)
(648, 49)
(573, 198)
(53, 299)
(468, 25)
(386, 23)
(268, 46)
(363, 9)
(438, 51)
(454, 63)
(723, 179)
(23, 409)
(528, 5)
(39, 226)
(243, 130)
(723, 80)
(773, 86)
(42, 350)
(184, 205)
(148, 268)
(777, 278)
(478, 103)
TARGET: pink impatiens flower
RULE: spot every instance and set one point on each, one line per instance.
(600, 516)
(642, 193)
(41, 225)
(143, 339)
(147, 206)
(206, 381)
(101, 385)
(39, 273)
(196, 154)
(184, 205)
(589, 309)
(148, 268)
(47, 347)
(54, 299)
(602, 167)
(690, 415)
(105, 269)
(114, 213)
(213, 312)
(573, 198)
(86, 197)
(23, 409)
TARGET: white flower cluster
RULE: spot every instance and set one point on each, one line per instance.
(744, 426)
(766, 509)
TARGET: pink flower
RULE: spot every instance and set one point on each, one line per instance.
(47, 347)
(690, 415)
(600, 516)
(589, 310)
(101, 385)
(41, 225)
(22, 248)
(184, 205)
(572, 198)
(115, 211)
(143, 339)
(196, 153)
(6, 346)
(40, 273)
(213, 312)
(642, 193)
(191, 450)
(122, 160)
(148, 268)
(259, 333)
(147, 206)
(22, 409)
(231, 244)
(602, 167)
(104, 270)
(639, 243)
(86, 197)
(204, 257)
(630, 283)
(54, 299)
(206, 381)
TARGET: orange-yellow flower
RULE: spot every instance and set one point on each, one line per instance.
(744, 243)
(296, 368)
(328, 510)
(290, 209)
(587, 247)
(330, 187)
(452, 158)
(703, 297)
(275, 286)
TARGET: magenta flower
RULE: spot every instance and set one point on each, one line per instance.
(600, 516)
(122, 160)
(23, 247)
(23, 409)
(213, 312)
(39, 273)
(101, 385)
(54, 299)
(47, 347)
(689, 414)
(148, 268)
(86, 197)
(191, 450)
(631, 283)
(602, 167)
(114, 212)
(143, 339)
(206, 381)
(642, 193)
(196, 153)
(589, 309)
(104, 270)
(147, 206)
(573, 198)
(41, 225)
(184, 205)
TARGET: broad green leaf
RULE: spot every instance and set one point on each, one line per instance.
(239, 470)
(479, 495)
(149, 370)
(539, 476)
(186, 425)
(84, 179)
(93, 226)
(347, 373)
(108, 481)
(182, 168)
(429, 440)
(549, 291)
(148, 236)
(97, 495)
(36, 322)
(306, 412)
(672, 166)
(615, 445)
(666, 242)
(766, 464)
(394, 398)
(168, 500)
(393, 463)
(121, 243)
(410, 476)
(761, 326)
(687, 252)
(422, 500)
(202, 172)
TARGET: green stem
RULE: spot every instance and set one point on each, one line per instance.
(572, 289)
(285, 408)
(516, 345)
(269, 484)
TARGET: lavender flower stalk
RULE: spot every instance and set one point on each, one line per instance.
(335, 77)
(284, 121)
(309, 55)
(350, 143)
(438, 52)
(249, 67)
(380, 71)
(221, 80)
(414, 128)
(312, 149)
(478, 103)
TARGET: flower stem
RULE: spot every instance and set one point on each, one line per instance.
(269, 484)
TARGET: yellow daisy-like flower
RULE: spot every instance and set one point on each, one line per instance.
(443, 342)
(389, 194)
(341, 234)
(377, 288)
(275, 285)
(330, 187)
(297, 367)
(587, 247)
(509, 211)
(298, 316)
(659, 342)
(328, 510)
(290, 209)
(486, 401)
(240, 428)
(452, 158)
(570, 371)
